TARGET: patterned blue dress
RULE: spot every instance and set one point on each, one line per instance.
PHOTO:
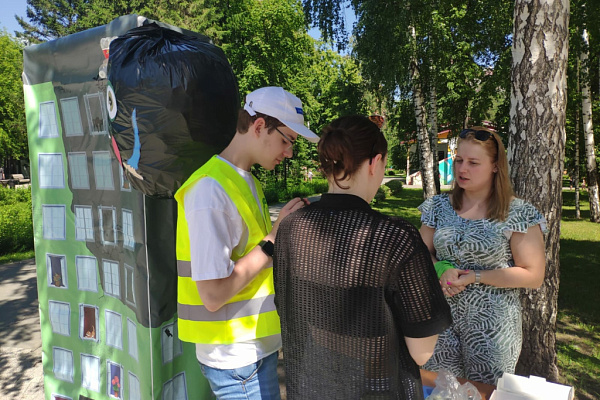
(485, 338)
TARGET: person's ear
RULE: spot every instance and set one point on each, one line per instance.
(257, 126)
(373, 164)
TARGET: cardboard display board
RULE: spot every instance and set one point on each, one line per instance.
(105, 243)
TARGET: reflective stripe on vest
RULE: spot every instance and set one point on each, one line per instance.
(251, 313)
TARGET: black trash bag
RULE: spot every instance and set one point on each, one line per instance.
(173, 101)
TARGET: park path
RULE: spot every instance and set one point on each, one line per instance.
(21, 375)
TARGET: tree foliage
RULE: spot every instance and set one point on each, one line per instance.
(265, 41)
(13, 134)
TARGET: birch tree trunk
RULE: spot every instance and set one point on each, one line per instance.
(433, 133)
(576, 168)
(425, 156)
(536, 147)
(588, 131)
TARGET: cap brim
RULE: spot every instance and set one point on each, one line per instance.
(302, 130)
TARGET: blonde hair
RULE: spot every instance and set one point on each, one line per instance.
(502, 192)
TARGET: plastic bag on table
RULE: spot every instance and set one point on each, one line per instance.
(447, 387)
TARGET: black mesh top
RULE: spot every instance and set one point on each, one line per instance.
(350, 283)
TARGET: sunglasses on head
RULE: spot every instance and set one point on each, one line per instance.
(480, 135)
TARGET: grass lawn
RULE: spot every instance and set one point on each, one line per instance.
(14, 257)
(578, 325)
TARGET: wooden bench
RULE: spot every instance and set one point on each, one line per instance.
(19, 178)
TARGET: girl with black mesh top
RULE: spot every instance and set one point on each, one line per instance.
(359, 299)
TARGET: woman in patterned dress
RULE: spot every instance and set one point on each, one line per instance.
(486, 244)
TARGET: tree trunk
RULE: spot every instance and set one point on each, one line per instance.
(433, 133)
(576, 167)
(588, 131)
(536, 147)
(425, 156)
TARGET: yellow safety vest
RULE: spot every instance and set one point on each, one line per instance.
(251, 313)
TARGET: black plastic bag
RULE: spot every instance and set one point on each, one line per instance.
(172, 101)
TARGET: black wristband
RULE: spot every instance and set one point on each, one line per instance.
(267, 247)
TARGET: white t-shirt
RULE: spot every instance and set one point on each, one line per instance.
(216, 230)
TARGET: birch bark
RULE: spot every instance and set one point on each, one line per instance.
(588, 131)
(536, 147)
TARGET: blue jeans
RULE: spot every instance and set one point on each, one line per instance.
(257, 381)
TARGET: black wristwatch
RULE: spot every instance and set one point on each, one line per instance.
(267, 247)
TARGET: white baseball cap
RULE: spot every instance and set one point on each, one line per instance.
(278, 103)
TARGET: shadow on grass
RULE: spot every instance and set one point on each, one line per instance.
(568, 211)
(577, 360)
(578, 294)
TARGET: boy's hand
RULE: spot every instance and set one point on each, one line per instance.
(291, 206)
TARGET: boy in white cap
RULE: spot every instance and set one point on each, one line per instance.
(225, 247)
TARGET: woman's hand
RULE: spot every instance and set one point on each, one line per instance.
(453, 281)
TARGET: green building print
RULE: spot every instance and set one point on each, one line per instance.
(105, 251)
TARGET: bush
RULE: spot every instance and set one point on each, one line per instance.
(300, 190)
(382, 193)
(319, 186)
(275, 193)
(16, 227)
(395, 187)
(272, 193)
(14, 196)
(391, 172)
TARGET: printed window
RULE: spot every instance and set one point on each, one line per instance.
(114, 380)
(108, 228)
(84, 224)
(103, 170)
(171, 345)
(89, 321)
(48, 122)
(90, 372)
(125, 185)
(53, 217)
(51, 172)
(132, 338)
(129, 285)
(87, 277)
(60, 397)
(57, 270)
(112, 283)
(71, 117)
(94, 105)
(114, 330)
(134, 387)
(128, 239)
(62, 364)
(175, 389)
(59, 317)
(78, 171)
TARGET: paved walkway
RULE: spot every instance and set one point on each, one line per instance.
(21, 375)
